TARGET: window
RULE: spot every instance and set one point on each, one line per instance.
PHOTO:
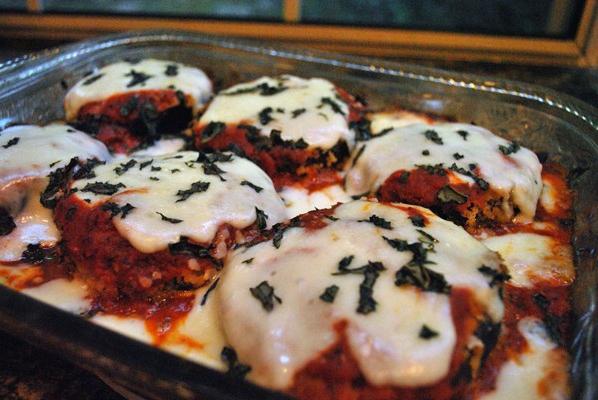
(533, 31)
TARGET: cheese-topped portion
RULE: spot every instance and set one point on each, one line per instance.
(148, 74)
(537, 374)
(308, 109)
(512, 171)
(34, 151)
(279, 306)
(532, 258)
(381, 121)
(34, 223)
(299, 201)
(184, 194)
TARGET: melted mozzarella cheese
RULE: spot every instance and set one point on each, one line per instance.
(298, 200)
(118, 78)
(383, 120)
(160, 148)
(386, 342)
(531, 258)
(537, 374)
(67, 295)
(516, 177)
(198, 217)
(318, 125)
(34, 223)
(41, 150)
(198, 337)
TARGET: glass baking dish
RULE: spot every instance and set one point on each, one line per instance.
(31, 90)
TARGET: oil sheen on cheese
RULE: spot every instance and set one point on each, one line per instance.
(385, 343)
(162, 213)
(516, 176)
(120, 77)
(300, 109)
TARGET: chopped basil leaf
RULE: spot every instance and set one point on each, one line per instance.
(367, 303)
(57, 184)
(36, 254)
(458, 156)
(488, 332)
(263, 89)
(235, 368)
(426, 152)
(417, 274)
(211, 130)
(463, 134)
(397, 244)
(265, 294)
(196, 187)
(102, 188)
(404, 177)
(130, 106)
(260, 218)
(265, 117)
(426, 333)
(362, 129)
(513, 147)
(183, 246)
(417, 220)
(479, 181)
(154, 178)
(11, 142)
(91, 80)
(85, 171)
(168, 219)
(360, 195)
(248, 261)
(329, 294)
(145, 164)
(137, 78)
(171, 70)
(496, 277)
(333, 105)
(449, 195)
(153, 168)
(432, 135)
(251, 185)
(297, 112)
(359, 153)
(204, 298)
(213, 169)
(377, 221)
(125, 167)
(115, 209)
(174, 170)
(436, 169)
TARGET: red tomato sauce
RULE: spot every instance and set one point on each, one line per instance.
(422, 187)
(113, 268)
(285, 166)
(549, 302)
(117, 116)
